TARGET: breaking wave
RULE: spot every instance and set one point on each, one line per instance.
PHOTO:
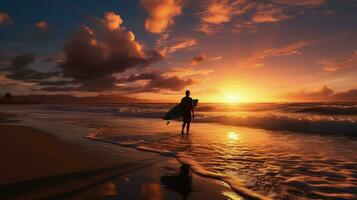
(306, 123)
(331, 110)
(275, 122)
(143, 144)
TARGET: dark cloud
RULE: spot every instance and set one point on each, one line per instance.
(53, 58)
(4, 18)
(94, 55)
(349, 95)
(55, 83)
(60, 89)
(156, 82)
(19, 69)
(105, 83)
(97, 85)
(198, 59)
(143, 76)
(91, 59)
(324, 94)
(21, 61)
(5, 59)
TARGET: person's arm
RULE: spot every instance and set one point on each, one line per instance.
(193, 112)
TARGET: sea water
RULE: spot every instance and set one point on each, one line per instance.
(280, 151)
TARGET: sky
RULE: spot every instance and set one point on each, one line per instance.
(220, 50)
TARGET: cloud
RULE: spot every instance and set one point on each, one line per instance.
(42, 25)
(202, 58)
(21, 61)
(5, 18)
(60, 89)
(42, 32)
(53, 58)
(113, 20)
(155, 82)
(198, 59)
(333, 65)
(183, 44)
(92, 59)
(346, 96)
(161, 14)
(217, 12)
(241, 15)
(257, 60)
(309, 3)
(55, 83)
(95, 55)
(268, 13)
(323, 94)
(19, 69)
(5, 59)
(188, 72)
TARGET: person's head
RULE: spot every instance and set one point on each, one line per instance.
(187, 93)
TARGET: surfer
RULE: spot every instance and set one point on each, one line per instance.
(187, 108)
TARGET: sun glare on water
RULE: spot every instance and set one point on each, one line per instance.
(233, 135)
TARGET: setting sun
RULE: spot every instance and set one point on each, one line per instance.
(232, 98)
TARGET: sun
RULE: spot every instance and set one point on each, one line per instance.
(232, 98)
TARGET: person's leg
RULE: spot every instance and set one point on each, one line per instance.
(188, 127)
(183, 127)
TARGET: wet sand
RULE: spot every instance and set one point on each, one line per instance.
(37, 164)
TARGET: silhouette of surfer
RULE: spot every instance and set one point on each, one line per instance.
(187, 108)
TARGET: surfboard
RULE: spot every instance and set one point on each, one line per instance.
(175, 112)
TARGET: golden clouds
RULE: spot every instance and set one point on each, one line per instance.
(338, 64)
(238, 15)
(113, 20)
(161, 14)
(217, 12)
(257, 60)
(168, 48)
(182, 45)
(268, 13)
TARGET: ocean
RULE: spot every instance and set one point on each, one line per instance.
(273, 150)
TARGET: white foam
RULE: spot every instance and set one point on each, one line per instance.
(235, 183)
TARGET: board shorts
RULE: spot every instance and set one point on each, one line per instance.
(186, 117)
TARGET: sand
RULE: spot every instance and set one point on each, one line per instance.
(37, 164)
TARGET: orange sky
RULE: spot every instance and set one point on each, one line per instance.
(221, 50)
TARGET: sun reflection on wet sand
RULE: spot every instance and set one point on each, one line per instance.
(152, 191)
(266, 162)
(109, 189)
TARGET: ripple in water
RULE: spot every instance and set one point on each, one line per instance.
(256, 163)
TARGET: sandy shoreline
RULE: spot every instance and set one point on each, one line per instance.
(39, 165)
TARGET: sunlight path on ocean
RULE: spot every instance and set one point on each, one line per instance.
(271, 163)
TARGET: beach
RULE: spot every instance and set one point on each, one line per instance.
(39, 165)
(126, 151)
